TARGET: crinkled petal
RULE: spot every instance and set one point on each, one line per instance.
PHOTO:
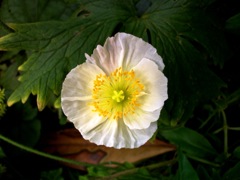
(78, 84)
(141, 119)
(76, 96)
(81, 114)
(155, 84)
(124, 50)
(114, 133)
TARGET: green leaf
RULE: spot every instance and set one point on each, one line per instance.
(236, 152)
(176, 28)
(10, 63)
(83, 178)
(2, 169)
(52, 175)
(190, 142)
(35, 10)
(232, 173)
(58, 46)
(233, 24)
(2, 154)
(185, 170)
(202, 172)
(99, 171)
(177, 31)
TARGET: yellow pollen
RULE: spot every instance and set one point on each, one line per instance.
(118, 96)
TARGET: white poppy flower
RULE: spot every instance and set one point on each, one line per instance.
(115, 97)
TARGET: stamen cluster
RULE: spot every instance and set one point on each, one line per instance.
(116, 95)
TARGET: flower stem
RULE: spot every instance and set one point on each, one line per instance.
(234, 128)
(134, 170)
(203, 161)
(218, 130)
(43, 154)
(225, 133)
(208, 119)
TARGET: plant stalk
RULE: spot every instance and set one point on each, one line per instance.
(43, 154)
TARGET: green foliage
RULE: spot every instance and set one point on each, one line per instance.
(191, 142)
(36, 10)
(185, 171)
(233, 24)
(236, 152)
(52, 175)
(42, 40)
(58, 46)
(21, 124)
(2, 169)
(232, 173)
(2, 103)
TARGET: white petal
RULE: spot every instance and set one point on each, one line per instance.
(155, 84)
(141, 119)
(114, 133)
(135, 49)
(78, 84)
(77, 94)
(81, 114)
(124, 50)
(109, 57)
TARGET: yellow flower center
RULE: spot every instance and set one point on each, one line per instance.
(117, 94)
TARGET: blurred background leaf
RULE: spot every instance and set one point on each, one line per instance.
(190, 142)
(233, 24)
(15, 11)
(185, 170)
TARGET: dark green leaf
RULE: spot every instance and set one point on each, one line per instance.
(35, 10)
(185, 170)
(185, 42)
(99, 171)
(190, 142)
(52, 175)
(2, 154)
(11, 71)
(233, 24)
(202, 172)
(232, 173)
(236, 152)
(2, 169)
(21, 124)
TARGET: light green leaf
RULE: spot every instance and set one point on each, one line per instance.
(190, 142)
